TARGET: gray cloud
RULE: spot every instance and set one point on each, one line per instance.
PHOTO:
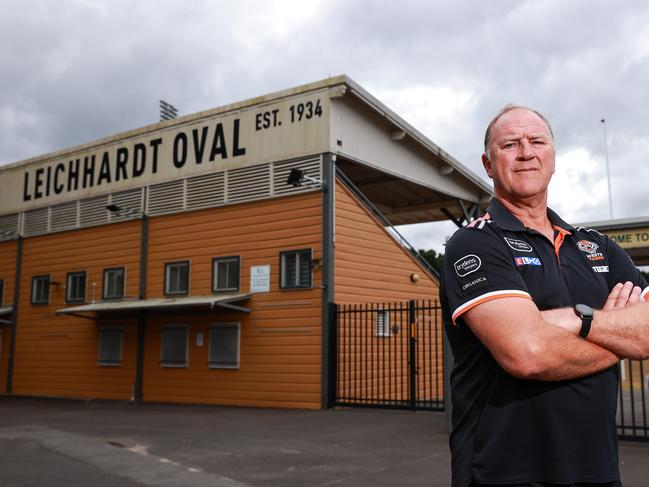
(73, 71)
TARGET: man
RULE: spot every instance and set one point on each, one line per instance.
(535, 380)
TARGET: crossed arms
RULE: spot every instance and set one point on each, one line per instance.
(545, 345)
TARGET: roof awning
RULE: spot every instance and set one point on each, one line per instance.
(4, 311)
(222, 301)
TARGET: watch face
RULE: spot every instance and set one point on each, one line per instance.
(584, 310)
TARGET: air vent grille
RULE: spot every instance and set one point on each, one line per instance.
(131, 200)
(9, 228)
(205, 191)
(36, 222)
(281, 170)
(166, 198)
(248, 183)
(64, 216)
(93, 211)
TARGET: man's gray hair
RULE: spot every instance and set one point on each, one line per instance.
(508, 108)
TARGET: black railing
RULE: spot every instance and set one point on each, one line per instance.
(633, 405)
(389, 355)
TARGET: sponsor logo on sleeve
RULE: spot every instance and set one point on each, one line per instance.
(467, 264)
(518, 245)
(587, 246)
(600, 268)
(521, 261)
(472, 284)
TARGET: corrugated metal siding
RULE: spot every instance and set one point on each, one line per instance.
(371, 266)
(57, 355)
(8, 274)
(280, 338)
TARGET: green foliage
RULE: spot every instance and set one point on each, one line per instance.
(433, 258)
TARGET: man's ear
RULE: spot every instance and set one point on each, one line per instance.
(487, 165)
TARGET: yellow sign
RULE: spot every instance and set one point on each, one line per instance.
(631, 238)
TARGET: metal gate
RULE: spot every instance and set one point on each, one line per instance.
(633, 405)
(389, 355)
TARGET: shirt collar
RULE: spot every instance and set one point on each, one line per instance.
(507, 221)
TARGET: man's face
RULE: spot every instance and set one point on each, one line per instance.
(521, 155)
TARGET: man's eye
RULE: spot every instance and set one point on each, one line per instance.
(509, 145)
(538, 142)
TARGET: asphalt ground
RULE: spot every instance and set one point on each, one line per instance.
(45, 442)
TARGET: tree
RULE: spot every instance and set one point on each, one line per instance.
(436, 260)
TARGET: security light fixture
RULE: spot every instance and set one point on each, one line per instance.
(297, 178)
(119, 211)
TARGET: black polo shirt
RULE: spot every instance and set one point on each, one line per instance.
(509, 430)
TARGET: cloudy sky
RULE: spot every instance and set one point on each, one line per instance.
(72, 71)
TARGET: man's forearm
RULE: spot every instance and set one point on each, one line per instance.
(623, 331)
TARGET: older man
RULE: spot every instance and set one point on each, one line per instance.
(538, 314)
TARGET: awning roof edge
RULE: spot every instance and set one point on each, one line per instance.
(160, 303)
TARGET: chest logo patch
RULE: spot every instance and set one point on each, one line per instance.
(587, 246)
(600, 268)
(518, 245)
(521, 261)
(467, 264)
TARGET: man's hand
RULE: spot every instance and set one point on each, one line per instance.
(623, 295)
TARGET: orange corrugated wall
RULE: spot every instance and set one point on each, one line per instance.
(8, 252)
(280, 354)
(57, 355)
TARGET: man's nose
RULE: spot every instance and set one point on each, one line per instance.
(525, 151)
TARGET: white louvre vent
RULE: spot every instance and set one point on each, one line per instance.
(93, 211)
(248, 183)
(36, 222)
(166, 198)
(64, 216)
(205, 191)
(382, 323)
(281, 170)
(9, 227)
(127, 200)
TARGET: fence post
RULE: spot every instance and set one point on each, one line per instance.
(412, 355)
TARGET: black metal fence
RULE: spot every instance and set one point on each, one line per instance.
(389, 355)
(633, 405)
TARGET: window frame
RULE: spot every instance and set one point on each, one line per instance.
(48, 280)
(169, 364)
(166, 278)
(229, 258)
(282, 279)
(2, 292)
(104, 288)
(118, 363)
(229, 324)
(71, 275)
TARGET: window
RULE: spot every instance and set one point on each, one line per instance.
(2, 291)
(382, 323)
(75, 289)
(225, 274)
(177, 278)
(110, 346)
(295, 268)
(114, 283)
(224, 346)
(40, 289)
(174, 346)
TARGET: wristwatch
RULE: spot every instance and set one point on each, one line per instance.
(586, 314)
